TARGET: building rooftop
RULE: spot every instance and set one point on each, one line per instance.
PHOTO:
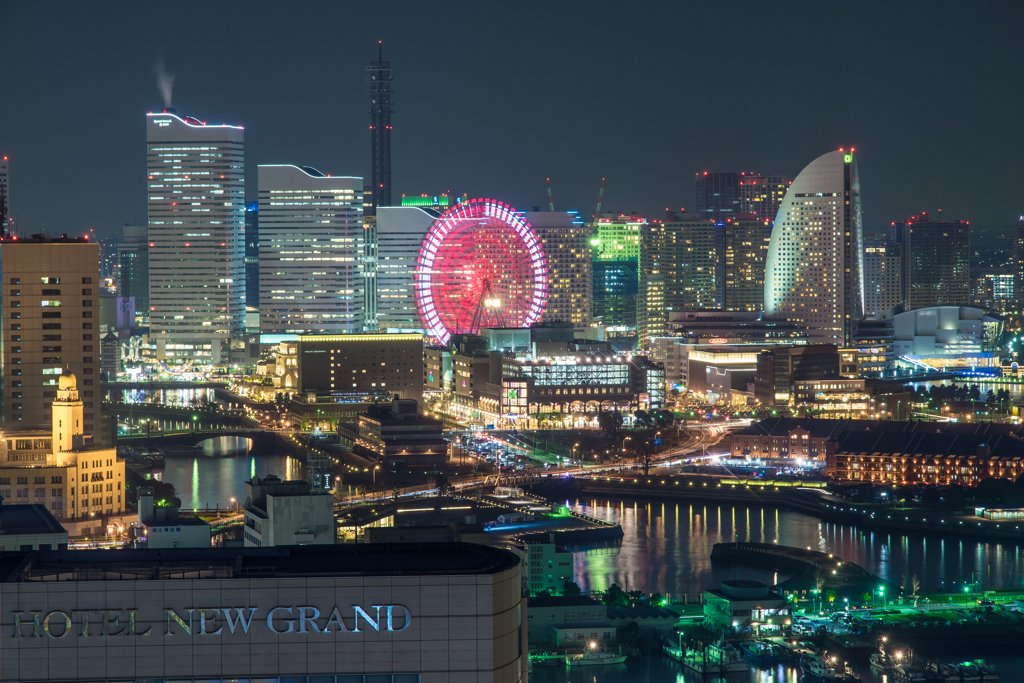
(372, 559)
(27, 519)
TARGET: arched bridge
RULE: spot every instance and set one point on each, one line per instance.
(262, 440)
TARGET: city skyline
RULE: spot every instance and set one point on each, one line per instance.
(450, 136)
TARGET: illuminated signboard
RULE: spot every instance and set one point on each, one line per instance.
(207, 621)
(718, 340)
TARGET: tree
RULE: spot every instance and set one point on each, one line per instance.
(830, 595)
(993, 490)
(571, 588)
(914, 585)
(615, 596)
(642, 446)
(611, 422)
(642, 419)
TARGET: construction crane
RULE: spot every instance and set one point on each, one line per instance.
(551, 202)
(600, 196)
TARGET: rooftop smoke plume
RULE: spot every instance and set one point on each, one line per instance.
(164, 81)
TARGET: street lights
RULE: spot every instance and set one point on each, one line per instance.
(375, 468)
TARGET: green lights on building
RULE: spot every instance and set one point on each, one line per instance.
(441, 202)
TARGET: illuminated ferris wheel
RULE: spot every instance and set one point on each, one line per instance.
(480, 265)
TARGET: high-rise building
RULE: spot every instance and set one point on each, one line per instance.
(4, 193)
(615, 251)
(651, 318)
(50, 299)
(252, 254)
(311, 243)
(936, 262)
(746, 249)
(718, 195)
(814, 273)
(196, 182)
(679, 270)
(566, 242)
(883, 278)
(1018, 262)
(133, 267)
(400, 233)
(379, 76)
(761, 196)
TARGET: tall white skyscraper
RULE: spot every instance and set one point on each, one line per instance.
(311, 251)
(814, 274)
(196, 181)
(566, 242)
(400, 233)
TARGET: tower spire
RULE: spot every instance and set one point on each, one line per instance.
(378, 76)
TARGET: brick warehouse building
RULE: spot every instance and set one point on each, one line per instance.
(889, 452)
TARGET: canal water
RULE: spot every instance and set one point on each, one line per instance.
(215, 477)
(666, 548)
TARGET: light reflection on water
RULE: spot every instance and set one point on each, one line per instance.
(667, 547)
(213, 480)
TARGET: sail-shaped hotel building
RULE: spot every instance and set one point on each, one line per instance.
(814, 273)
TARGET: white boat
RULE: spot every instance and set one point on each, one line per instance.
(701, 662)
(594, 658)
(827, 669)
(728, 657)
(547, 659)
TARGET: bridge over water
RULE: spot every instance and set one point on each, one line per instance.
(262, 442)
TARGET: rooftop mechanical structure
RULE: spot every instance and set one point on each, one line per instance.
(481, 265)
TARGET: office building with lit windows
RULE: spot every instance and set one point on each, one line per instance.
(746, 242)
(196, 183)
(311, 246)
(133, 267)
(883, 278)
(566, 243)
(615, 252)
(400, 233)
(5, 205)
(252, 255)
(50, 303)
(761, 196)
(680, 270)
(936, 261)
(814, 274)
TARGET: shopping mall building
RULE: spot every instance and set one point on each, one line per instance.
(384, 613)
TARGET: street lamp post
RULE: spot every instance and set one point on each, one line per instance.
(375, 468)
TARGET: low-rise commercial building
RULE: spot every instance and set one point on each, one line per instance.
(780, 368)
(401, 613)
(946, 337)
(396, 432)
(162, 527)
(286, 513)
(941, 453)
(346, 365)
(738, 604)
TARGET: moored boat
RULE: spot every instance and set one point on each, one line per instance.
(827, 669)
(594, 658)
(728, 657)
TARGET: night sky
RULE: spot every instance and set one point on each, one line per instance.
(491, 98)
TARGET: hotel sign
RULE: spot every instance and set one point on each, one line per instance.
(208, 621)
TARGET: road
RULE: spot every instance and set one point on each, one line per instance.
(707, 435)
